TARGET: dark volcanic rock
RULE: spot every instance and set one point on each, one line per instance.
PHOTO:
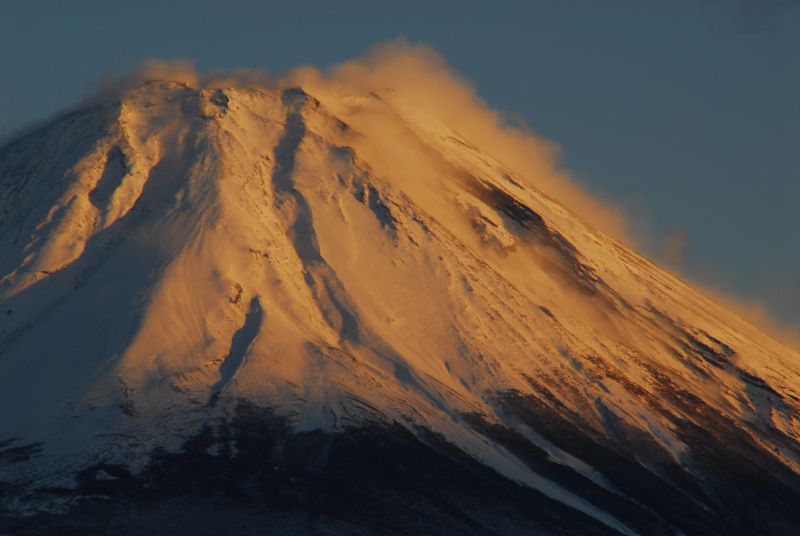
(380, 479)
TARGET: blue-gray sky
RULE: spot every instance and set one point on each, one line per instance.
(684, 113)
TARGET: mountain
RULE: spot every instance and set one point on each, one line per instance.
(246, 311)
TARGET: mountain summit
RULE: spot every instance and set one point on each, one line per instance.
(248, 311)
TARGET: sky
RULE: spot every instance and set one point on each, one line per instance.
(684, 113)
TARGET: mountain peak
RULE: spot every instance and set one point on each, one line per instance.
(199, 259)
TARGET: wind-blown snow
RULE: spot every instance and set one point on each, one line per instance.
(342, 259)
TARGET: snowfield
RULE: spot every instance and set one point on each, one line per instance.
(348, 261)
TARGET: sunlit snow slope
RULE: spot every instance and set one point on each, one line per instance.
(347, 261)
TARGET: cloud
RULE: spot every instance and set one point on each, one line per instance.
(422, 77)
(675, 245)
(757, 314)
(109, 87)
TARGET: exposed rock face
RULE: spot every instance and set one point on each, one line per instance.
(247, 311)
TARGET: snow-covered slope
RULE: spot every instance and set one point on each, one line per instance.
(346, 261)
